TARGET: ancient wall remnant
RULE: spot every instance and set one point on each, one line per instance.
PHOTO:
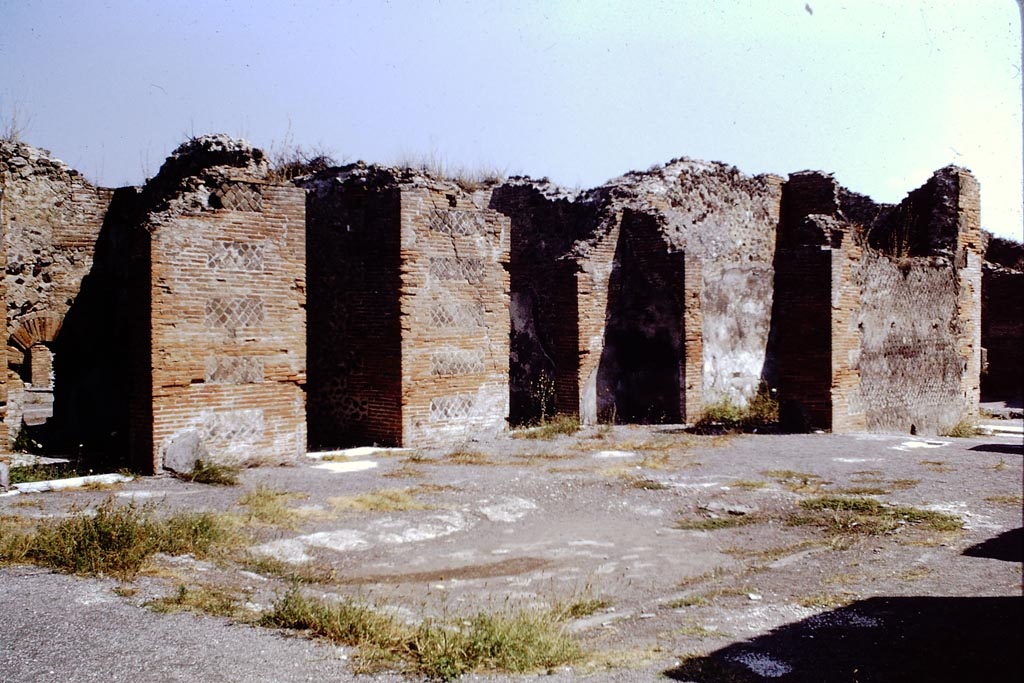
(50, 217)
(409, 309)
(690, 242)
(877, 308)
(224, 251)
(169, 322)
(1002, 321)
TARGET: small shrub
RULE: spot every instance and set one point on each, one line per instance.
(114, 540)
(761, 412)
(963, 429)
(560, 425)
(514, 641)
(211, 473)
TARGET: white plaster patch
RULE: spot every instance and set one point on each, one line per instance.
(911, 445)
(762, 664)
(434, 527)
(511, 510)
(615, 454)
(71, 483)
(352, 466)
(856, 460)
(289, 550)
(358, 452)
(596, 544)
(645, 510)
(338, 540)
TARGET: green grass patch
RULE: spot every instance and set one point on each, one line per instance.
(688, 601)
(512, 640)
(211, 473)
(386, 500)
(215, 600)
(24, 474)
(1015, 500)
(560, 425)
(749, 484)
(269, 506)
(114, 540)
(868, 516)
(826, 600)
(644, 483)
(713, 523)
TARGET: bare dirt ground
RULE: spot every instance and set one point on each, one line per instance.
(696, 554)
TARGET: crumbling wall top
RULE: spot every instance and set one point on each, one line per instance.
(18, 159)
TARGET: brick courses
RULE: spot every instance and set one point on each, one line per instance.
(409, 324)
(440, 311)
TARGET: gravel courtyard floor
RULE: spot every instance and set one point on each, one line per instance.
(700, 558)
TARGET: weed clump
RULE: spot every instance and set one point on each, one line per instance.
(761, 413)
(112, 541)
(844, 515)
(211, 473)
(557, 426)
(514, 641)
(963, 429)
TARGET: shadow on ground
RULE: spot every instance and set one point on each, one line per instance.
(1007, 546)
(1007, 448)
(879, 639)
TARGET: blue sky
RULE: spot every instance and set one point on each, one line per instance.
(880, 93)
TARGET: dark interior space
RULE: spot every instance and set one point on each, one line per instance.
(101, 351)
(641, 367)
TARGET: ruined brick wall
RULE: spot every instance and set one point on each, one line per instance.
(455, 304)
(409, 324)
(645, 364)
(227, 295)
(354, 328)
(1002, 320)
(799, 352)
(727, 220)
(52, 218)
(722, 220)
(901, 348)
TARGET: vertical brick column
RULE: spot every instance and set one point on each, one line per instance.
(227, 327)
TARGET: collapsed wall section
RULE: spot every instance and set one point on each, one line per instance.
(223, 250)
(50, 218)
(409, 321)
(725, 221)
(877, 308)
